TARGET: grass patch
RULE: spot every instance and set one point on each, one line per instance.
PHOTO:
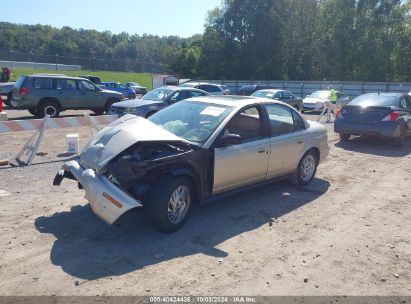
(144, 79)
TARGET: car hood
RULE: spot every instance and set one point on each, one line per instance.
(132, 103)
(119, 136)
(313, 100)
(110, 92)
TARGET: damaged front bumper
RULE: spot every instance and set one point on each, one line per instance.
(108, 201)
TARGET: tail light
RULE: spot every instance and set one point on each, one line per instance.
(338, 114)
(24, 91)
(226, 92)
(391, 117)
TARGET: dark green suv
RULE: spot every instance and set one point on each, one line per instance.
(51, 94)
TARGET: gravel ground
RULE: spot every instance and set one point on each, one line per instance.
(346, 234)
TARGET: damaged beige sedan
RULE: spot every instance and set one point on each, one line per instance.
(194, 150)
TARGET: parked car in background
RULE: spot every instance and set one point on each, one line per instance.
(281, 95)
(212, 88)
(249, 89)
(138, 89)
(94, 79)
(315, 101)
(6, 92)
(386, 115)
(193, 150)
(50, 94)
(155, 100)
(118, 87)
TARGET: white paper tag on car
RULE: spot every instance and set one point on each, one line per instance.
(213, 111)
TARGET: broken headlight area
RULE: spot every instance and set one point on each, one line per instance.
(141, 165)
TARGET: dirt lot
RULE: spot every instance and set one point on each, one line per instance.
(346, 234)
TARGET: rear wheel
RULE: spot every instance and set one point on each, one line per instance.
(305, 172)
(51, 108)
(170, 203)
(400, 141)
(344, 136)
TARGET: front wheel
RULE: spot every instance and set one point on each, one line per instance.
(170, 203)
(306, 169)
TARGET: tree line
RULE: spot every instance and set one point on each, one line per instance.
(363, 40)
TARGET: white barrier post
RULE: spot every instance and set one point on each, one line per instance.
(31, 147)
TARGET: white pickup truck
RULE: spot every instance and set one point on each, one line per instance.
(6, 90)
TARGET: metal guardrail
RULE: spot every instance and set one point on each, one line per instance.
(304, 88)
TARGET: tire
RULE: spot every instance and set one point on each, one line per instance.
(33, 111)
(108, 104)
(400, 141)
(306, 169)
(161, 205)
(344, 136)
(302, 111)
(132, 96)
(51, 108)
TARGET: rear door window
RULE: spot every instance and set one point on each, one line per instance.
(211, 88)
(66, 84)
(288, 95)
(43, 83)
(281, 120)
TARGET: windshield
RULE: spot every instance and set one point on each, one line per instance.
(373, 100)
(320, 94)
(157, 94)
(191, 120)
(264, 94)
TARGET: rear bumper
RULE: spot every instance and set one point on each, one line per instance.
(107, 200)
(378, 129)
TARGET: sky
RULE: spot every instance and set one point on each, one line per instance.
(182, 18)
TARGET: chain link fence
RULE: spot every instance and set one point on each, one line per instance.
(60, 62)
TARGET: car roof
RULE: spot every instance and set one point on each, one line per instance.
(56, 76)
(385, 94)
(234, 100)
(174, 88)
(270, 90)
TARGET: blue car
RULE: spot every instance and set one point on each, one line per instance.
(385, 115)
(118, 87)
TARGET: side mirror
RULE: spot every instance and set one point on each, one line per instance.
(230, 140)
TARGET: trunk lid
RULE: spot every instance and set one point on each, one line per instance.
(367, 115)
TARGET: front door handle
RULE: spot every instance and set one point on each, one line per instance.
(261, 151)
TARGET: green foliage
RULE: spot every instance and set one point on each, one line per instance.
(365, 40)
(143, 79)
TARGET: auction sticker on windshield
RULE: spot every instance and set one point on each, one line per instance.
(213, 111)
